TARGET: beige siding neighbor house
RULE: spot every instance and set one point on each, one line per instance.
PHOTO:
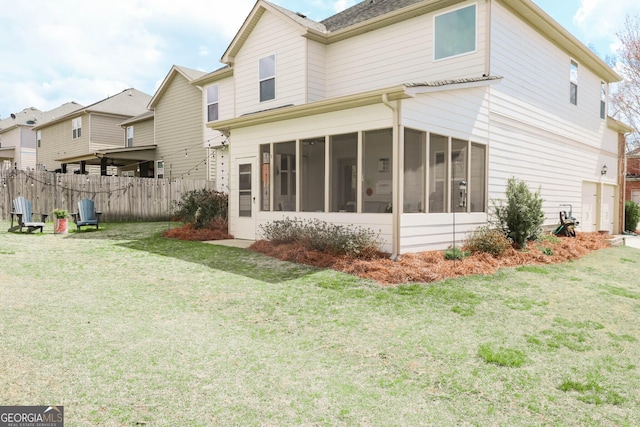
(82, 137)
(409, 116)
(18, 141)
(179, 127)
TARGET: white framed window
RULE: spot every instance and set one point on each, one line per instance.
(76, 125)
(573, 82)
(129, 136)
(267, 75)
(212, 103)
(160, 169)
(39, 138)
(603, 100)
(455, 33)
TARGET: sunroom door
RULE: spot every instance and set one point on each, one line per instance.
(246, 196)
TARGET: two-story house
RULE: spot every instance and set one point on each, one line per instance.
(18, 141)
(91, 135)
(409, 116)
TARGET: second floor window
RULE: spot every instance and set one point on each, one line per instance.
(268, 78)
(39, 138)
(129, 136)
(76, 125)
(573, 83)
(212, 103)
(455, 33)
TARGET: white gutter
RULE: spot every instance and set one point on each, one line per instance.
(395, 203)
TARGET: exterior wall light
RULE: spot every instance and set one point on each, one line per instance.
(604, 169)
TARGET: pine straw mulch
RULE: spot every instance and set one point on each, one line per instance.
(431, 266)
(216, 230)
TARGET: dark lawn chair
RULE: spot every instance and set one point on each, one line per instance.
(86, 214)
(22, 212)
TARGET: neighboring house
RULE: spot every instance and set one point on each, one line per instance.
(179, 127)
(408, 117)
(138, 137)
(18, 141)
(91, 135)
(633, 176)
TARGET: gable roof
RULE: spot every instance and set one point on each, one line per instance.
(364, 11)
(130, 102)
(34, 117)
(369, 15)
(188, 73)
(298, 21)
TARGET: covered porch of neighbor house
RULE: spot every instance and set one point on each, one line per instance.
(133, 161)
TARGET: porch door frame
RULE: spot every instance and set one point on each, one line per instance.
(247, 198)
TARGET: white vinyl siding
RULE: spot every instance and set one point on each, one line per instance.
(179, 130)
(397, 54)
(535, 87)
(317, 72)
(271, 37)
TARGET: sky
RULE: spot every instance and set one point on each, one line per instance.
(53, 52)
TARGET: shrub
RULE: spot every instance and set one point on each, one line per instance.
(489, 240)
(455, 253)
(201, 207)
(521, 217)
(321, 236)
(631, 215)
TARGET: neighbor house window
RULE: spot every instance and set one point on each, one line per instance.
(267, 78)
(76, 125)
(129, 136)
(39, 138)
(573, 83)
(603, 100)
(160, 169)
(212, 103)
(455, 32)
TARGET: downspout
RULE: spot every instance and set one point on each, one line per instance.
(395, 200)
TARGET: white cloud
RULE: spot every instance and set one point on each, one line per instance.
(603, 18)
(55, 52)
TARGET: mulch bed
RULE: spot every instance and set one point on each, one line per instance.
(432, 266)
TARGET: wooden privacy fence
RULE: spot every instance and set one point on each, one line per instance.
(119, 198)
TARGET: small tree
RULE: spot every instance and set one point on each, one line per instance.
(521, 218)
(631, 216)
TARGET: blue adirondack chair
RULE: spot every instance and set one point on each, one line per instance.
(23, 213)
(87, 214)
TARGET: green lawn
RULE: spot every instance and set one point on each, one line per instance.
(125, 328)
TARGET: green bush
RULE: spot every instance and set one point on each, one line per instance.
(201, 207)
(455, 253)
(489, 240)
(324, 237)
(631, 216)
(521, 217)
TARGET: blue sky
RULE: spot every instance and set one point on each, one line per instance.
(76, 50)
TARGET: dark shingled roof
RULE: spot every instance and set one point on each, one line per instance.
(363, 11)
